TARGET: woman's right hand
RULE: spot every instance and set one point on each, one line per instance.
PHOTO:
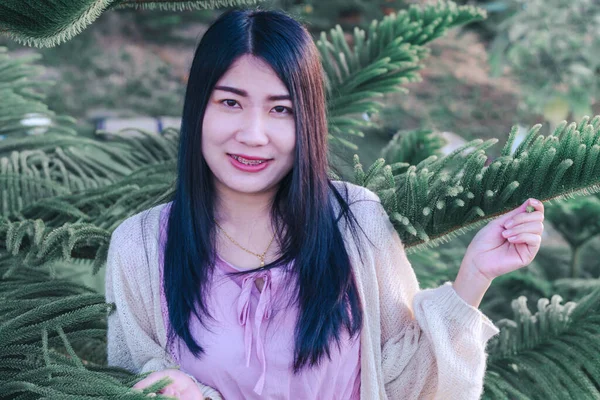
(182, 386)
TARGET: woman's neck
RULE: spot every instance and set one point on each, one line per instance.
(245, 218)
(243, 210)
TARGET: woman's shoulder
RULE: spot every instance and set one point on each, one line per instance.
(366, 216)
(361, 200)
(138, 228)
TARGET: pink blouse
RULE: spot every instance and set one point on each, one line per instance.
(249, 344)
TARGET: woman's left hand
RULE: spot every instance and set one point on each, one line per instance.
(501, 247)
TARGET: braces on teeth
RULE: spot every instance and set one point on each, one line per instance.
(248, 162)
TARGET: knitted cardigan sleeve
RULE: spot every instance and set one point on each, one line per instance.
(134, 342)
(433, 342)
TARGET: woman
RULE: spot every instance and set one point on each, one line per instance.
(264, 279)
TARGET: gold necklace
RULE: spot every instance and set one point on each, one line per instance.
(261, 257)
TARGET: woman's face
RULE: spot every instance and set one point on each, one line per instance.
(248, 131)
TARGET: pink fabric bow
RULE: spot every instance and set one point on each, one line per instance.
(263, 311)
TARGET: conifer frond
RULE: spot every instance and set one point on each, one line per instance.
(412, 147)
(53, 340)
(64, 20)
(106, 207)
(381, 60)
(35, 243)
(28, 176)
(576, 286)
(133, 151)
(576, 220)
(552, 354)
(171, 5)
(436, 200)
(509, 286)
(23, 111)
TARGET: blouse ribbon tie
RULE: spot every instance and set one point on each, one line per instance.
(263, 311)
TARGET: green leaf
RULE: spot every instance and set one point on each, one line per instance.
(48, 23)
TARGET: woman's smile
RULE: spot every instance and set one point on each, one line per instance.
(249, 164)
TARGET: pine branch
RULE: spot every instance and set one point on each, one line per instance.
(516, 284)
(53, 340)
(381, 61)
(106, 207)
(429, 203)
(133, 151)
(36, 244)
(412, 146)
(171, 5)
(575, 287)
(438, 199)
(576, 220)
(29, 176)
(553, 354)
(22, 110)
(62, 21)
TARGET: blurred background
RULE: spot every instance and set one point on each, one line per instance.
(529, 62)
(88, 137)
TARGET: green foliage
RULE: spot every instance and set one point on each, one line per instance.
(498, 11)
(412, 147)
(437, 199)
(62, 22)
(63, 164)
(577, 221)
(380, 61)
(23, 91)
(105, 207)
(434, 267)
(320, 15)
(53, 340)
(65, 194)
(553, 48)
(552, 354)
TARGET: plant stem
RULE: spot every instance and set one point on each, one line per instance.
(575, 262)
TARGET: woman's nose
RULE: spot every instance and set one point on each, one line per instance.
(253, 131)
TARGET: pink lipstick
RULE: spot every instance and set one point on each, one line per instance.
(248, 163)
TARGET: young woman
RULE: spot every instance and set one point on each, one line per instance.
(264, 279)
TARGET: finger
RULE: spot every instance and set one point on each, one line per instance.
(530, 239)
(521, 209)
(524, 217)
(142, 384)
(535, 227)
(170, 391)
(150, 379)
(537, 205)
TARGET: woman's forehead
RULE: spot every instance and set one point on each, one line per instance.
(252, 77)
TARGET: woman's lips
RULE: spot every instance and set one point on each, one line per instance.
(249, 168)
(251, 158)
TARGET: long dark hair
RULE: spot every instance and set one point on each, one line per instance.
(302, 214)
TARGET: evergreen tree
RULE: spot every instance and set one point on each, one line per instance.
(23, 111)
(578, 222)
(63, 195)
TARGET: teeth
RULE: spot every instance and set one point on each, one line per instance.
(248, 162)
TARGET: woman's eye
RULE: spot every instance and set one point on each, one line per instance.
(229, 102)
(282, 110)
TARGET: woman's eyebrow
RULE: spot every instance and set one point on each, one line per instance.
(243, 93)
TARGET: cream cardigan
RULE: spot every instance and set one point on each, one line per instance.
(415, 344)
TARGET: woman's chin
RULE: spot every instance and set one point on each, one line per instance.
(247, 186)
